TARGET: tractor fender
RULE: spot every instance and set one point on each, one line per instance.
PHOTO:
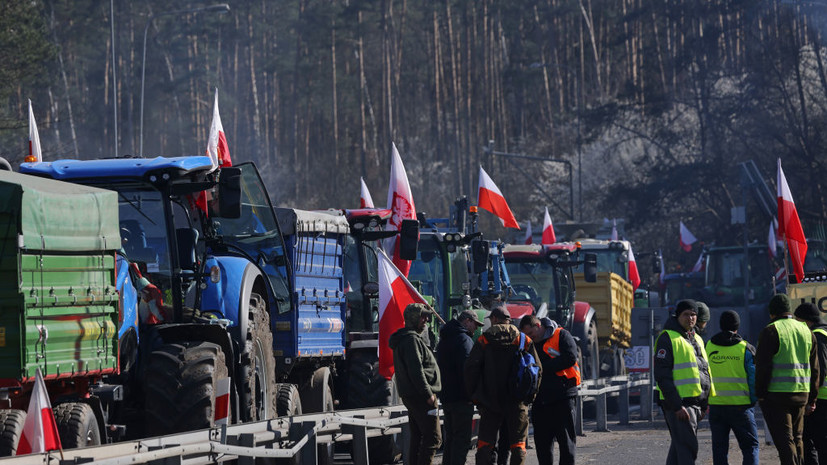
(231, 294)
(582, 318)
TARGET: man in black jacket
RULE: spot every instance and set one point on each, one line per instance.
(815, 422)
(455, 344)
(554, 407)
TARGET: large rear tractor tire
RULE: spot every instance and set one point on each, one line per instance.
(11, 427)
(180, 387)
(367, 388)
(257, 371)
(77, 425)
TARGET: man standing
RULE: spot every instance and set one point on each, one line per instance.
(487, 374)
(732, 366)
(453, 349)
(703, 318)
(553, 410)
(418, 382)
(815, 421)
(786, 378)
(682, 376)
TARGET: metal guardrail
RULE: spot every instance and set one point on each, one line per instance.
(300, 435)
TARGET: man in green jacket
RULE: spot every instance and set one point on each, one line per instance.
(418, 382)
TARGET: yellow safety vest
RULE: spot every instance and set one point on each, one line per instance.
(822, 391)
(791, 364)
(685, 372)
(726, 367)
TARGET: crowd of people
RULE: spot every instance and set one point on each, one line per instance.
(722, 379)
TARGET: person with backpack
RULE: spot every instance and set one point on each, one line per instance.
(682, 375)
(553, 410)
(502, 375)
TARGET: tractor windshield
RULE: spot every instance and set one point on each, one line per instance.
(608, 260)
(533, 281)
(427, 271)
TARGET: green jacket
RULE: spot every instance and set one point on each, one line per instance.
(417, 374)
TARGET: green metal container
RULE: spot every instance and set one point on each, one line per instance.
(58, 301)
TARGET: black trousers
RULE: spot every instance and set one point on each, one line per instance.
(554, 422)
(458, 417)
(815, 435)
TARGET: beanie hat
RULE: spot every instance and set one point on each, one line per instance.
(779, 304)
(412, 314)
(730, 321)
(703, 312)
(684, 305)
(808, 312)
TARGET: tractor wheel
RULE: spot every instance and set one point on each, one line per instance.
(367, 388)
(77, 425)
(591, 357)
(11, 427)
(180, 387)
(317, 397)
(288, 402)
(257, 370)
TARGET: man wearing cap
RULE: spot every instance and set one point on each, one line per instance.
(451, 352)
(487, 373)
(553, 411)
(703, 318)
(682, 375)
(418, 382)
(815, 418)
(786, 378)
(732, 407)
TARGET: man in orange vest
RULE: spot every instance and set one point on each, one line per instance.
(553, 410)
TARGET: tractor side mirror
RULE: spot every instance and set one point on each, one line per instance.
(479, 253)
(408, 239)
(229, 193)
(590, 268)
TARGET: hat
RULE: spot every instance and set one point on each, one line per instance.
(808, 312)
(684, 305)
(779, 304)
(499, 312)
(730, 321)
(413, 312)
(703, 311)
(469, 315)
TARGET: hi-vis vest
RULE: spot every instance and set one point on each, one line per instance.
(822, 391)
(729, 377)
(791, 364)
(685, 372)
(552, 348)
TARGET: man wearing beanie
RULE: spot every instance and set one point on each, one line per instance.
(418, 382)
(732, 407)
(815, 421)
(703, 317)
(682, 375)
(786, 378)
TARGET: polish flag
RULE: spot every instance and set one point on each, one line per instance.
(661, 279)
(395, 293)
(789, 226)
(217, 147)
(528, 239)
(40, 429)
(614, 229)
(490, 198)
(772, 241)
(548, 230)
(365, 200)
(699, 265)
(401, 205)
(35, 154)
(634, 275)
(687, 238)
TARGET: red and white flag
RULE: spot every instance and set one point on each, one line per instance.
(35, 154)
(490, 198)
(401, 205)
(365, 200)
(789, 225)
(395, 293)
(40, 429)
(634, 275)
(699, 265)
(614, 229)
(772, 240)
(217, 147)
(222, 402)
(528, 233)
(687, 238)
(548, 230)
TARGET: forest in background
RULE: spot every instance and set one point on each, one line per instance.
(651, 104)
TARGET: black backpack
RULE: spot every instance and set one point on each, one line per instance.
(524, 378)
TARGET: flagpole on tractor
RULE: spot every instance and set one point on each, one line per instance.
(218, 8)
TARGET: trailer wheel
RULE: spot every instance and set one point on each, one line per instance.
(180, 387)
(77, 425)
(367, 388)
(288, 401)
(11, 427)
(317, 397)
(257, 370)
(591, 357)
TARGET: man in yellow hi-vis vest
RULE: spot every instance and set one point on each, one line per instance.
(815, 417)
(786, 378)
(732, 365)
(682, 375)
